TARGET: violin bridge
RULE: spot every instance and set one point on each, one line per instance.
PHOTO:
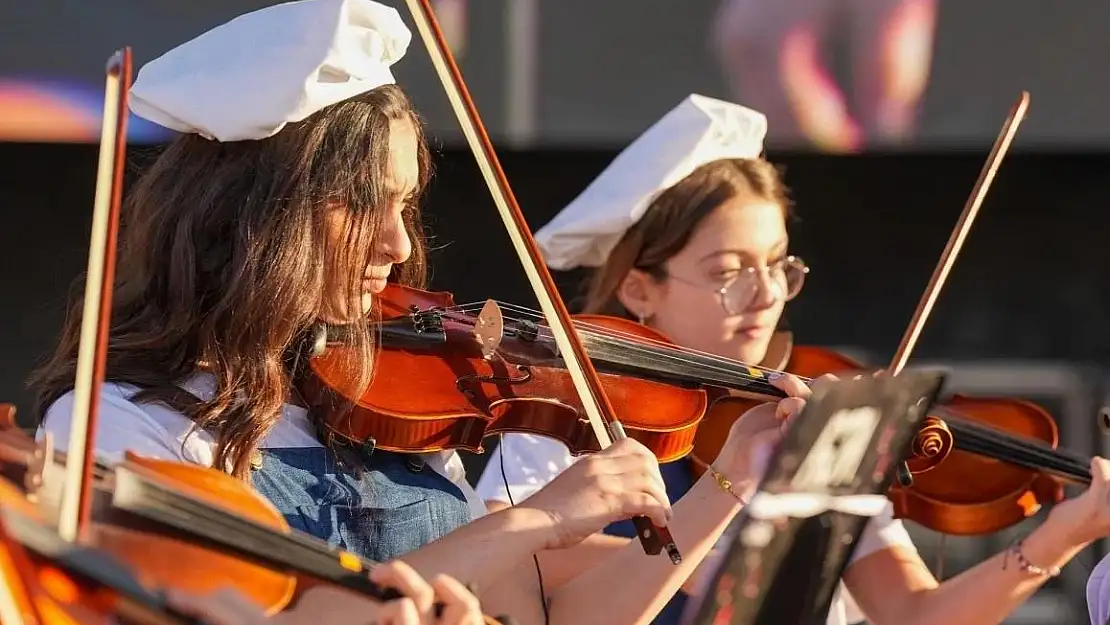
(489, 328)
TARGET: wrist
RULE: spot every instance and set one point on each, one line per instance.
(720, 489)
(538, 529)
(1054, 543)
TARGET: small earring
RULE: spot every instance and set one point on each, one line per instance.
(643, 318)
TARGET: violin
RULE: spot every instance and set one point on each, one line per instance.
(47, 581)
(958, 449)
(193, 528)
(447, 378)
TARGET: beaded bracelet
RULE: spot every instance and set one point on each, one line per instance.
(1028, 566)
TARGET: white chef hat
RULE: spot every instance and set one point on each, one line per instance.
(700, 130)
(248, 78)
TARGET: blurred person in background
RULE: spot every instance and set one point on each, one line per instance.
(836, 74)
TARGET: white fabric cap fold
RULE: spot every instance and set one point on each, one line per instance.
(700, 130)
(249, 77)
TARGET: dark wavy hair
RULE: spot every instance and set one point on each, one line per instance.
(222, 265)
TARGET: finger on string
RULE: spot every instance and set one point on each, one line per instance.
(790, 384)
(407, 581)
(461, 606)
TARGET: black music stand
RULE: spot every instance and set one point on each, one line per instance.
(784, 561)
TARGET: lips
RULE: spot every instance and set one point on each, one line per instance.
(753, 330)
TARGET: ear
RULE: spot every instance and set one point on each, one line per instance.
(639, 293)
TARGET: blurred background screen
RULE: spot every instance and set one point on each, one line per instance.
(873, 74)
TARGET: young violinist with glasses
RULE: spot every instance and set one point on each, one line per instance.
(290, 198)
(687, 233)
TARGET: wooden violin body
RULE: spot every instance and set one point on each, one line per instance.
(953, 491)
(435, 387)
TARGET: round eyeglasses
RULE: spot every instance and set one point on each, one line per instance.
(784, 278)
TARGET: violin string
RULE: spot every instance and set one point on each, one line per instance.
(978, 438)
(1033, 446)
(637, 343)
(667, 349)
(656, 351)
(975, 442)
(991, 441)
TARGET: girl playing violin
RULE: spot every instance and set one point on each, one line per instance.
(291, 197)
(687, 232)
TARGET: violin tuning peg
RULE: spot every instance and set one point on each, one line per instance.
(905, 478)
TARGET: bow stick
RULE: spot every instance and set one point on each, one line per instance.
(600, 412)
(92, 348)
(960, 232)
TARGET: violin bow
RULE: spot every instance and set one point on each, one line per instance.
(960, 232)
(92, 348)
(598, 409)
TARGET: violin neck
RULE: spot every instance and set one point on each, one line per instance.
(981, 440)
(673, 365)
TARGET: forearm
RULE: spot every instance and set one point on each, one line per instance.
(989, 592)
(483, 551)
(559, 566)
(633, 586)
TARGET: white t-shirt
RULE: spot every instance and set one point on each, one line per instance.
(531, 461)
(157, 431)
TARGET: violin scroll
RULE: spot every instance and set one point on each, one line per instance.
(931, 446)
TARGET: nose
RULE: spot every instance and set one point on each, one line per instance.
(394, 245)
(766, 292)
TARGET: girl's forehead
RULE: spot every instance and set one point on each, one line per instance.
(750, 231)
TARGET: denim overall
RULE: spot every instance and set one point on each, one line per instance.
(391, 505)
(678, 477)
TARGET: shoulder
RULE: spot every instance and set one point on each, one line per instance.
(124, 425)
(523, 463)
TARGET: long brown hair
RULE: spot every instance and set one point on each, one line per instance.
(222, 265)
(672, 218)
